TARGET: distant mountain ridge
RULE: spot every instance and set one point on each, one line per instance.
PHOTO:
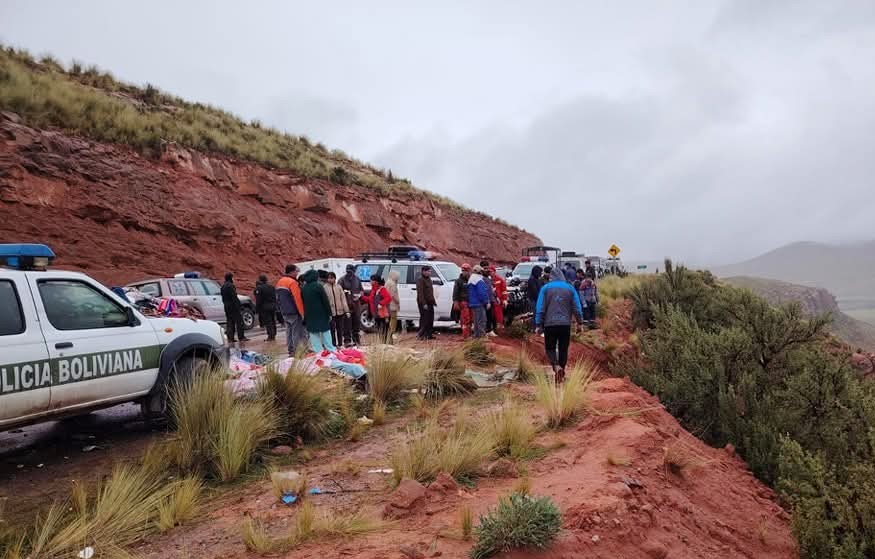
(814, 301)
(846, 270)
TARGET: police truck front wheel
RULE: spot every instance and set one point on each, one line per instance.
(248, 318)
(157, 405)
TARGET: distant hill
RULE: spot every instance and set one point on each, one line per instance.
(846, 270)
(814, 300)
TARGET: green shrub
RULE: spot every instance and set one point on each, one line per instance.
(519, 521)
(477, 352)
(734, 369)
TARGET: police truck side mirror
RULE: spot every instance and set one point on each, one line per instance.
(132, 318)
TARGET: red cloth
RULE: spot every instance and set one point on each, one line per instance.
(379, 297)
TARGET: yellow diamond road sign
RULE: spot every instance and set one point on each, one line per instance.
(614, 251)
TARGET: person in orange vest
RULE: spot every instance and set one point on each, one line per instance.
(288, 295)
(499, 285)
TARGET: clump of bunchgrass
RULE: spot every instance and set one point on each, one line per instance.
(429, 450)
(679, 459)
(519, 521)
(526, 367)
(390, 373)
(466, 522)
(562, 402)
(512, 430)
(445, 376)
(476, 352)
(302, 403)
(181, 505)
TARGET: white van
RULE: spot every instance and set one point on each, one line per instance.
(336, 265)
(443, 276)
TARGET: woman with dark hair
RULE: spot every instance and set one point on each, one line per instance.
(378, 301)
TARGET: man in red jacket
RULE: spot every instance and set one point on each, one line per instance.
(500, 287)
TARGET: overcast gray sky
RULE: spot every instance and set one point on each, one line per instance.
(710, 131)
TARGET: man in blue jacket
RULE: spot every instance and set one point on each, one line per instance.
(479, 300)
(558, 303)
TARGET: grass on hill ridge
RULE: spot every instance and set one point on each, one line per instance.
(92, 103)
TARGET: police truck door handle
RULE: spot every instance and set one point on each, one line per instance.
(63, 345)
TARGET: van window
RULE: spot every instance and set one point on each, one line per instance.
(74, 305)
(211, 287)
(450, 271)
(365, 271)
(151, 288)
(402, 272)
(177, 287)
(197, 288)
(11, 316)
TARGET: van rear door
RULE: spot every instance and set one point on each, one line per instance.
(25, 369)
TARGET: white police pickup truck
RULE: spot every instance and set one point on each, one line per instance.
(69, 345)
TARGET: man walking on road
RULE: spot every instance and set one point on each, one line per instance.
(233, 316)
(288, 294)
(352, 287)
(426, 302)
(558, 303)
(265, 306)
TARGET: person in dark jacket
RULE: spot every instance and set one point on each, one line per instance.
(426, 302)
(558, 303)
(460, 300)
(339, 309)
(479, 301)
(317, 309)
(569, 272)
(265, 306)
(233, 316)
(589, 271)
(589, 297)
(352, 287)
(533, 287)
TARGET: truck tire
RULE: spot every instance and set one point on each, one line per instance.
(156, 406)
(248, 318)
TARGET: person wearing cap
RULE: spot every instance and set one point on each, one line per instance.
(479, 301)
(558, 304)
(265, 306)
(460, 300)
(352, 288)
(233, 314)
(569, 272)
(500, 288)
(425, 301)
(288, 296)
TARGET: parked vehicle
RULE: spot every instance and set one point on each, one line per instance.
(69, 345)
(443, 274)
(201, 293)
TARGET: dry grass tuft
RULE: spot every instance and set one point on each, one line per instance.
(378, 412)
(303, 405)
(181, 505)
(427, 451)
(680, 459)
(217, 435)
(391, 372)
(618, 460)
(257, 540)
(445, 376)
(466, 522)
(526, 367)
(512, 430)
(523, 486)
(476, 352)
(564, 401)
(283, 484)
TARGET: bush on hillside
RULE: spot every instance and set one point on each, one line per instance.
(519, 521)
(734, 369)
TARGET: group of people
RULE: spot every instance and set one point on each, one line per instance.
(479, 300)
(332, 306)
(565, 295)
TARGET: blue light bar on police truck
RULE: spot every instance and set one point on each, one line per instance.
(25, 256)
